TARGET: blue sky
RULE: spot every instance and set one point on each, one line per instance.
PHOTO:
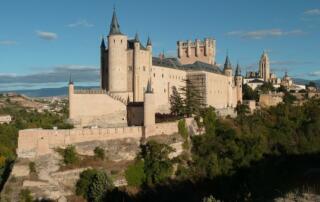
(48, 39)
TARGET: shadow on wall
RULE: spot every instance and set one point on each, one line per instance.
(265, 180)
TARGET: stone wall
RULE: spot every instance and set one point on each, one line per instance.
(37, 142)
(271, 99)
(89, 109)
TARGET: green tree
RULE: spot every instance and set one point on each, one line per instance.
(100, 184)
(99, 153)
(84, 182)
(192, 99)
(25, 196)
(312, 84)
(157, 165)
(209, 120)
(289, 98)
(176, 103)
(266, 87)
(70, 155)
(135, 174)
(249, 93)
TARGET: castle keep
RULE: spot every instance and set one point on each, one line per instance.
(135, 85)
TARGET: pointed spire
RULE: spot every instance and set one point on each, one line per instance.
(149, 43)
(136, 38)
(227, 64)
(70, 79)
(238, 70)
(114, 26)
(149, 88)
(103, 44)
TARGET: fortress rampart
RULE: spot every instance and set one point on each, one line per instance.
(33, 143)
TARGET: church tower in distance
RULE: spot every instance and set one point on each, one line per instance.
(264, 67)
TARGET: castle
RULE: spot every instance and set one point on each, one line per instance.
(135, 85)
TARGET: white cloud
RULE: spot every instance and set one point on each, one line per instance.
(264, 33)
(47, 35)
(8, 42)
(312, 12)
(55, 74)
(315, 73)
(80, 23)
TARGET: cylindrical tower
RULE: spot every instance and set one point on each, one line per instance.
(117, 58)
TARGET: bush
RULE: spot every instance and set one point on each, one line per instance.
(32, 167)
(183, 131)
(93, 184)
(82, 186)
(70, 155)
(135, 174)
(98, 187)
(99, 153)
(25, 196)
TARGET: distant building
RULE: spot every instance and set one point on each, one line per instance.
(5, 119)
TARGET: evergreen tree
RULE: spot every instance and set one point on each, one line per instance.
(98, 187)
(176, 102)
(193, 100)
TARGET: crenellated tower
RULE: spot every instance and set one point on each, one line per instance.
(190, 52)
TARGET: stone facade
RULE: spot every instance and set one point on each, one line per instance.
(127, 66)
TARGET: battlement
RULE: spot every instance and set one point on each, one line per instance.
(192, 51)
(90, 91)
(195, 43)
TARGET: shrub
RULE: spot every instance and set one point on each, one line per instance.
(99, 153)
(135, 174)
(183, 131)
(25, 196)
(93, 184)
(70, 155)
(32, 167)
(82, 186)
(100, 184)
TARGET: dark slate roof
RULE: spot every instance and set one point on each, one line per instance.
(103, 44)
(136, 38)
(227, 64)
(238, 70)
(256, 81)
(131, 44)
(114, 26)
(175, 63)
(201, 66)
(149, 42)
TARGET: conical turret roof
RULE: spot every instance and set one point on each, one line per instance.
(149, 43)
(238, 70)
(114, 26)
(227, 64)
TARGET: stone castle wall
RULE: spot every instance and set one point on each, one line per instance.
(33, 143)
(96, 109)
